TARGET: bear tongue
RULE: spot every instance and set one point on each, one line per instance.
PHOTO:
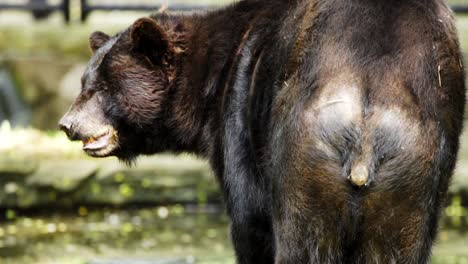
(96, 144)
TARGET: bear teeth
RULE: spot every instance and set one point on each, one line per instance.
(89, 140)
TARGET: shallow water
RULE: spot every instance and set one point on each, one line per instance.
(152, 235)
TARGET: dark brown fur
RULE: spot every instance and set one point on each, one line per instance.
(290, 100)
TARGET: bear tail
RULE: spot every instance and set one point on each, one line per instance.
(359, 175)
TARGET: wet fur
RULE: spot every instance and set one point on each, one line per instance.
(255, 88)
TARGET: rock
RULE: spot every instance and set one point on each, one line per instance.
(161, 179)
(62, 175)
(39, 169)
(13, 168)
(168, 171)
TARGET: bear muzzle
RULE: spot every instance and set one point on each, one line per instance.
(99, 140)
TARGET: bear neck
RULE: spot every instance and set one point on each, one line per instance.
(196, 99)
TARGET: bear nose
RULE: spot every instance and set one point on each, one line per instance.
(66, 126)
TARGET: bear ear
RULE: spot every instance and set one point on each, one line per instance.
(149, 39)
(97, 40)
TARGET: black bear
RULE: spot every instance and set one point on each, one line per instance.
(333, 126)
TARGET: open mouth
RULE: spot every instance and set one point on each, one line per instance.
(101, 145)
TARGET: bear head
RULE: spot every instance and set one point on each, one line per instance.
(124, 89)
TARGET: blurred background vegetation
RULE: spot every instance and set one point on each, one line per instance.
(59, 206)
